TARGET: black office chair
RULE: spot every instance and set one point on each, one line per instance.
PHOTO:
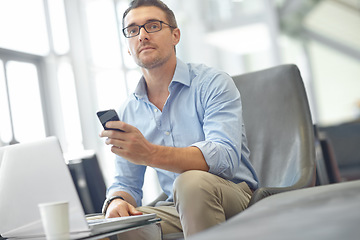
(89, 183)
(345, 140)
(331, 164)
(279, 129)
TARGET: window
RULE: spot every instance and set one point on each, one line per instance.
(105, 53)
(25, 101)
(69, 108)
(59, 30)
(27, 31)
(6, 134)
(21, 105)
(37, 85)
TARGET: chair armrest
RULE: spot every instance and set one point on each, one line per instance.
(304, 182)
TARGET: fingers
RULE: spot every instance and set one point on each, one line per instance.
(122, 126)
(133, 211)
(118, 125)
(121, 209)
(117, 138)
(110, 134)
(117, 212)
(123, 212)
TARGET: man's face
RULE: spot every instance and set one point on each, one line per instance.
(151, 50)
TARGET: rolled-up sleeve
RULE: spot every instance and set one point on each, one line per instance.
(222, 126)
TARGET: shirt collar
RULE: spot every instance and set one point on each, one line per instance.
(140, 90)
(181, 75)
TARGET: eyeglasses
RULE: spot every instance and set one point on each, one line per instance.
(150, 27)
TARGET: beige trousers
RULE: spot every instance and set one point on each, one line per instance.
(201, 200)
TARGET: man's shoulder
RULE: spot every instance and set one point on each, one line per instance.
(202, 73)
(201, 68)
(130, 102)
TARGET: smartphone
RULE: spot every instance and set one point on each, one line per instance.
(108, 115)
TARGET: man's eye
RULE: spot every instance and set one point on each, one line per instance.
(154, 26)
(132, 30)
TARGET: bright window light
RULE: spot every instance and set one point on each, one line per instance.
(103, 37)
(5, 124)
(58, 26)
(133, 77)
(110, 89)
(23, 27)
(242, 40)
(26, 107)
(69, 107)
(105, 53)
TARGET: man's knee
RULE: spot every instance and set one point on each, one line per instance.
(195, 196)
(192, 183)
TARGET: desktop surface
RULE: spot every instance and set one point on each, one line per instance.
(142, 231)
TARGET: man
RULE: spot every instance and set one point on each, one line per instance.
(184, 120)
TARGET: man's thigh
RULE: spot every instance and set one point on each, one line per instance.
(204, 198)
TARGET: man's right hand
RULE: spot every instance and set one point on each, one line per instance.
(121, 208)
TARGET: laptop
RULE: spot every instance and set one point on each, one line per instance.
(36, 172)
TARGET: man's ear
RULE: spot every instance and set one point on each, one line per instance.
(176, 36)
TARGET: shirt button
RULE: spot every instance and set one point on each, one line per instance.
(155, 110)
(167, 133)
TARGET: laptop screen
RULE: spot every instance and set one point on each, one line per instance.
(30, 174)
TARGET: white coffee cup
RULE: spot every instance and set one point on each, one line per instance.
(55, 219)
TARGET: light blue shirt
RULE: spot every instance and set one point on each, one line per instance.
(203, 110)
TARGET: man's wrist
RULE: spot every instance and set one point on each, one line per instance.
(108, 201)
(153, 156)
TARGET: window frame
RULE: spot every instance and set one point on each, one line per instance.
(6, 56)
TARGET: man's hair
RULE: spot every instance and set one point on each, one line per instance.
(170, 17)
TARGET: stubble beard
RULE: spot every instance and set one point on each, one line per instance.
(158, 61)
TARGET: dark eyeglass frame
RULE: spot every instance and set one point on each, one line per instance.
(144, 26)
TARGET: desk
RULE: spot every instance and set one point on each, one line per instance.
(150, 230)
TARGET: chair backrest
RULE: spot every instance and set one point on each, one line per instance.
(330, 161)
(89, 182)
(345, 139)
(278, 126)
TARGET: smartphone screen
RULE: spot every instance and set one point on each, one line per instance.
(106, 116)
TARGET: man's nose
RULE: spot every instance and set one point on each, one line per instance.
(143, 34)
